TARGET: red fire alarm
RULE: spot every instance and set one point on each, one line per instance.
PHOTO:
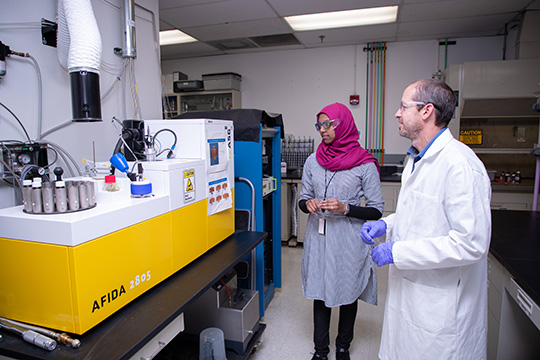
(354, 99)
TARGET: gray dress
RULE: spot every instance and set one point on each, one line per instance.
(337, 266)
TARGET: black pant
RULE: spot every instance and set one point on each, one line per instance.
(321, 318)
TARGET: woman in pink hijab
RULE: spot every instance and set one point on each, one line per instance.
(337, 269)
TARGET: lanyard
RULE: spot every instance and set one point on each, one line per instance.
(327, 184)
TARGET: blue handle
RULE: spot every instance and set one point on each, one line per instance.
(119, 161)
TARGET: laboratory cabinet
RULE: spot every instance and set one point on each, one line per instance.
(295, 152)
(497, 276)
(390, 193)
(286, 212)
(293, 220)
(179, 103)
(511, 200)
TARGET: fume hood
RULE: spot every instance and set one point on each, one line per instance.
(497, 89)
(495, 115)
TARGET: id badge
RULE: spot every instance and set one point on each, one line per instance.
(322, 226)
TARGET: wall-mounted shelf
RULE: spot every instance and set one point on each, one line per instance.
(178, 103)
(502, 151)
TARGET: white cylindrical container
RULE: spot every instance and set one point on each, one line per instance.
(27, 195)
(91, 192)
(73, 195)
(36, 196)
(47, 195)
(83, 195)
(61, 196)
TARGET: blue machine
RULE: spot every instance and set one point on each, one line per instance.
(250, 163)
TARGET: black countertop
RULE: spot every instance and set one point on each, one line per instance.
(391, 178)
(121, 335)
(292, 174)
(515, 242)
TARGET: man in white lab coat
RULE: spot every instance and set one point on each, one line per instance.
(437, 240)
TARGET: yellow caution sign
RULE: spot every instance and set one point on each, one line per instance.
(471, 136)
(189, 185)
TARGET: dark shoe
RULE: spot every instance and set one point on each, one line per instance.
(342, 354)
(319, 356)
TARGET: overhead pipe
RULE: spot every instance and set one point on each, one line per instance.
(79, 51)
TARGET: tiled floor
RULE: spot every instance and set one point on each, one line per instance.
(289, 331)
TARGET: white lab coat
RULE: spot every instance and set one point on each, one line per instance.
(436, 306)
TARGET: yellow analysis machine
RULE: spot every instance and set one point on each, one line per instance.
(212, 141)
(71, 271)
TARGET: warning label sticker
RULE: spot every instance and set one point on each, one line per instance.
(471, 137)
(189, 185)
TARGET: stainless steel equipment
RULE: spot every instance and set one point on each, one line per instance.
(225, 306)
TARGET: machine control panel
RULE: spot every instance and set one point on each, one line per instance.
(19, 155)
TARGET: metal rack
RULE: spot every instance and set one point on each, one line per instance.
(295, 151)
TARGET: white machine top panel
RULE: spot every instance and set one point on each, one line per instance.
(71, 229)
(114, 211)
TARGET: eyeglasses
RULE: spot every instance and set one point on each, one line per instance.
(326, 124)
(405, 105)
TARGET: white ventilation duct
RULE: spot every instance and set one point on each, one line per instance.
(79, 51)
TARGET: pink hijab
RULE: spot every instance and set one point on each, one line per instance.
(344, 152)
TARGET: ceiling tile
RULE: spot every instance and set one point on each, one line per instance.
(217, 13)
(238, 29)
(359, 34)
(458, 9)
(167, 4)
(188, 50)
(291, 7)
(462, 27)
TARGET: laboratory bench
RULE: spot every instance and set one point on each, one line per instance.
(515, 243)
(292, 174)
(139, 324)
(514, 286)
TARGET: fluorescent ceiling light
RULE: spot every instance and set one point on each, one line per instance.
(339, 19)
(170, 37)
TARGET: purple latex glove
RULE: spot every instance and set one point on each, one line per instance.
(372, 229)
(382, 254)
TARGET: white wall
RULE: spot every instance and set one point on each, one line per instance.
(18, 89)
(299, 83)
